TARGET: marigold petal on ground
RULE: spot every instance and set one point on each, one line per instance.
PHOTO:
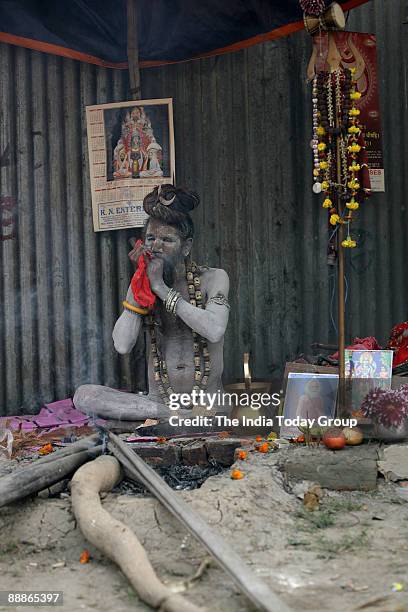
(263, 448)
(237, 475)
(85, 556)
(46, 449)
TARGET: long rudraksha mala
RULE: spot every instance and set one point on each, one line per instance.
(336, 120)
(202, 362)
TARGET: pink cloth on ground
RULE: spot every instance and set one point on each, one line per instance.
(51, 417)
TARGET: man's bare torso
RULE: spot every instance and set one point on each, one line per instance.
(177, 346)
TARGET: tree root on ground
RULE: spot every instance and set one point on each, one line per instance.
(115, 539)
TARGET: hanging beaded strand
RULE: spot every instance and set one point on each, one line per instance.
(333, 99)
(315, 140)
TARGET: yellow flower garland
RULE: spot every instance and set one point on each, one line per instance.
(323, 156)
(348, 243)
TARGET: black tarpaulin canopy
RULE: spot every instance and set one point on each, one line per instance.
(169, 31)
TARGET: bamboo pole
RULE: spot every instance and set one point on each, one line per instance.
(340, 288)
(136, 94)
(133, 50)
(334, 62)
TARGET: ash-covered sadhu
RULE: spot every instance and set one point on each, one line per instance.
(184, 307)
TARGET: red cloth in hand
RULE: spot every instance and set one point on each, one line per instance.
(360, 344)
(140, 283)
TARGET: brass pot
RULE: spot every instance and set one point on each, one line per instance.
(391, 434)
(238, 411)
(247, 389)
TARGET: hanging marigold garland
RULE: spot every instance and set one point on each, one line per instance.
(335, 116)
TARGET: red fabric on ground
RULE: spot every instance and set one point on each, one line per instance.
(360, 344)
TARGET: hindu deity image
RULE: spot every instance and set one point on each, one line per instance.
(365, 366)
(137, 153)
(367, 370)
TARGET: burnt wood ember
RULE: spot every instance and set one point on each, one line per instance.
(179, 477)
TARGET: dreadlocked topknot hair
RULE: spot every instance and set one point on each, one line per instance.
(172, 205)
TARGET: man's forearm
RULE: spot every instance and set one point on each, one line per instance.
(204, 322)
(127, 327)
(126, 331)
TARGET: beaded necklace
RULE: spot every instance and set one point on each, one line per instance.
(201, 352)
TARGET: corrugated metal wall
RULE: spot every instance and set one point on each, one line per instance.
(242, 124)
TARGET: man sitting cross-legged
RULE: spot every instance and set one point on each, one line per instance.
(186, 325)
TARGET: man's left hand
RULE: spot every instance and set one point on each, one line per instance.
(155, 273)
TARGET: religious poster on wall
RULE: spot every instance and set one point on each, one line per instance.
(131, 151)
(359, 51)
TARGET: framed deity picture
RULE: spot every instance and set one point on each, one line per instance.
(131, 151)
(305, 368)
(309, 399)
(365, 370)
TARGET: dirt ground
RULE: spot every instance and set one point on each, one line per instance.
(348, 555)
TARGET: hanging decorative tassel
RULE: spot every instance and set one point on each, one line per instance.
(312, 7)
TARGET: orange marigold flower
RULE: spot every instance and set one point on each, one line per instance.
(357, 413)
(237, 475)
(161, 440)
(263, 448)
(242, 455)
(259, 438)
(223, 434)
(46, 449)
(84, 558)
(300, 439)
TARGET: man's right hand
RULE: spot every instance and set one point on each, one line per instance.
(138, 249)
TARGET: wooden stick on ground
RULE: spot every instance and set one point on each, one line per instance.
(81, 445)
(254, 588)
(43, 473)
(114, 538)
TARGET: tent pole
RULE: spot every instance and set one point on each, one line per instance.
(340, 285)
(133, 50)
(138, 369)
